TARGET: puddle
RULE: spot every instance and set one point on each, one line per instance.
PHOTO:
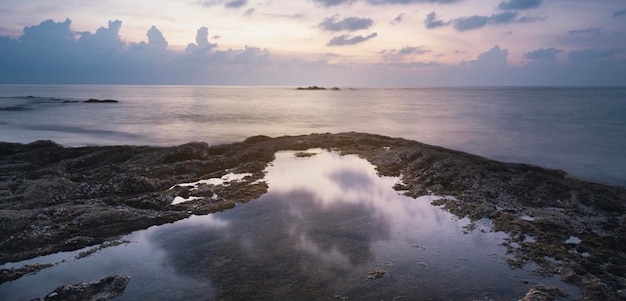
(328, 228)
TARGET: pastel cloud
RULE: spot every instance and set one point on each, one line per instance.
(589, 54)
(345, 40)
(347, 24)
(590, 30)
(519, 4)
(543, 53)
(53, 53)
(619, 13)
(407, 51)
(477, 21)
(227, 4)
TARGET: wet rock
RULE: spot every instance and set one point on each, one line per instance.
(543, 293)
(54, 198)
(104, 289)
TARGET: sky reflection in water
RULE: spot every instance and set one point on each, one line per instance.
(326, 221)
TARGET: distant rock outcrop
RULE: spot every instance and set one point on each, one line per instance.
(94, 100)
(317, 88)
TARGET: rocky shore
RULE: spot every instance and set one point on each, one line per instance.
(54, 198)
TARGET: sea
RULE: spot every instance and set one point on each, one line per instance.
(329, 227)
(581, 130)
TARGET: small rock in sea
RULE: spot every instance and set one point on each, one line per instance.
(94, 100)
(376, 273)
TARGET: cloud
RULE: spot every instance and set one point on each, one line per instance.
(156, 40)
(475, 22)
(293, 16)
(202, 41)
(469, 23)
(431, 21)
(519, 4)
(227, 4)
(591, 30)
(348, 24)
(619, 13)
(344, 40)
(249, 12)
(542, 53)
(328, 3)
(105, 40)
(235, 3)
(395, 55)
(49, 33)
(49, 53)
(590, 54)
(398, 19)
(494, 57)
(382, 2)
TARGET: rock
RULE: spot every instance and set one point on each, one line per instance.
(94, 100)
(104, 289)
(311, 88)
(543, 293)
(55, 199)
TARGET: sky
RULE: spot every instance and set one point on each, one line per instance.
(381, 43)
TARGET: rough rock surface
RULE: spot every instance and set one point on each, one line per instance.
(54, 198)
(104, 289)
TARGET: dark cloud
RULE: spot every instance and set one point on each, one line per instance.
(348, 24)
(469, 23)
(395, 54)
(49, 53)
(105, 40)
(589, 54)
(49, 33)
(344, 40)
(542, 53)
(519, 4)
(328, 3)
(475, 22)
(235, 3)
(591, 30)
(619, 13)
(530, 19)
(432, 22)
(503, 18)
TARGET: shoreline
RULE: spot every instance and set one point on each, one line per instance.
(55, 198)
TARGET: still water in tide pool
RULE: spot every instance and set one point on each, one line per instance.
(326, 222)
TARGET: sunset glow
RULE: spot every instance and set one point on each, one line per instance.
(279, 42)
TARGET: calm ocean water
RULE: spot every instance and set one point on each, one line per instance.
(579, 130)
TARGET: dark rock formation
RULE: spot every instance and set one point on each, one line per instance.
(93, 100)
(54, 198)
(104, 289)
